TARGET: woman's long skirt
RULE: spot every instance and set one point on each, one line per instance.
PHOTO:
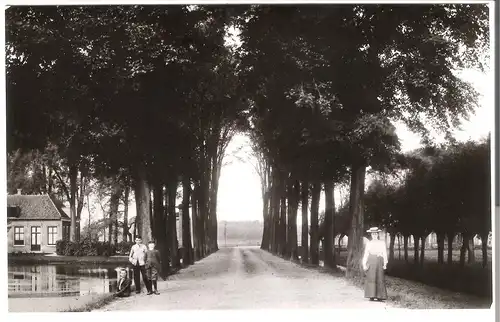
(375, 279)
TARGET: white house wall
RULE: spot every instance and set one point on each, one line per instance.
(27, 224)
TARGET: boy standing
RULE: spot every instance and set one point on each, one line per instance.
(153, 266)
(137, 258)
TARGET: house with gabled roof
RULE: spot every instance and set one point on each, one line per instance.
(35, 223)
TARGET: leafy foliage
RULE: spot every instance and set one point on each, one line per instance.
(87, 247)
(447, 189)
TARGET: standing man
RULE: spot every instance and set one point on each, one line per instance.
(138, 259)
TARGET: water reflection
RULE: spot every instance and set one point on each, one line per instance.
(60, 280)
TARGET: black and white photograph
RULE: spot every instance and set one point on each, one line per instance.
(249, 156)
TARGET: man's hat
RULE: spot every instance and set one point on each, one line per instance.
(373, 230)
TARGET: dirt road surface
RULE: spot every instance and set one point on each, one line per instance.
(247, 278)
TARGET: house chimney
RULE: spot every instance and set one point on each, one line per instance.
(19, 191)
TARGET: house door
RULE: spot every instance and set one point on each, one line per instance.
(36, 238)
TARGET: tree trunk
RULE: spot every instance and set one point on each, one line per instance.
(289, 217)
(160, 226)
(50, 180)
(125, 214)
(136, 231)
(110, 228)
(202, 215)
(114, 202)
(194, 218)
(450, 237)
(158, 212)
(406, 247)
(73, 172)
(172, 216)
(293, 225)
(265, 213)
(391, 246)
(416, 240)
(399, 246)
(81, 191)
(314, 248)
(186, 225)
(329, 249)
(214, 187)
(440, 243)
(44, 179)
(356, 211)
(422, 250)
(471, 258)
(484, 248)
(199, 222)
(150, 202)
(142, 199)
(275, 207)
(283, 239)
(340, 241)
(463, 249)
(305, 222)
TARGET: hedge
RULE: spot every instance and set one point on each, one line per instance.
(87, 247)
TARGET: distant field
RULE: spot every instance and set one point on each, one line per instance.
(237, 242)
(239, 233)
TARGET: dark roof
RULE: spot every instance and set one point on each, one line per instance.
(36, 207)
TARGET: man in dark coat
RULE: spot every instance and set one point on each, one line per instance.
(123, 284)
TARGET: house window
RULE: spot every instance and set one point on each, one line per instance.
(36, 238)
(19, 236)
(52, 234)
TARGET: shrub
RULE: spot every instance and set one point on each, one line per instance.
(88, 247)
(60, 246)
(123, 248)
(71, 248)
(106, 249)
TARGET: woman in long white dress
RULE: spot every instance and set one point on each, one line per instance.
(374, 263)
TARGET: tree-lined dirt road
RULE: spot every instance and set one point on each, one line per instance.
(247, 278)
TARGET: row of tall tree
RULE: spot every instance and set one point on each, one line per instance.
(445, 190)
(325, 85)
(129, 96)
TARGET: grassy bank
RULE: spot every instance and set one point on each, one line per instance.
(93, 305)
(471, 279)
(408, 294)
(52, 259)
(83, 303)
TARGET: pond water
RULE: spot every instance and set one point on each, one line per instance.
(58, 280)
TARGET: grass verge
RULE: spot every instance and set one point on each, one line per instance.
(471, 279)
(93, 305)
(407, 294)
